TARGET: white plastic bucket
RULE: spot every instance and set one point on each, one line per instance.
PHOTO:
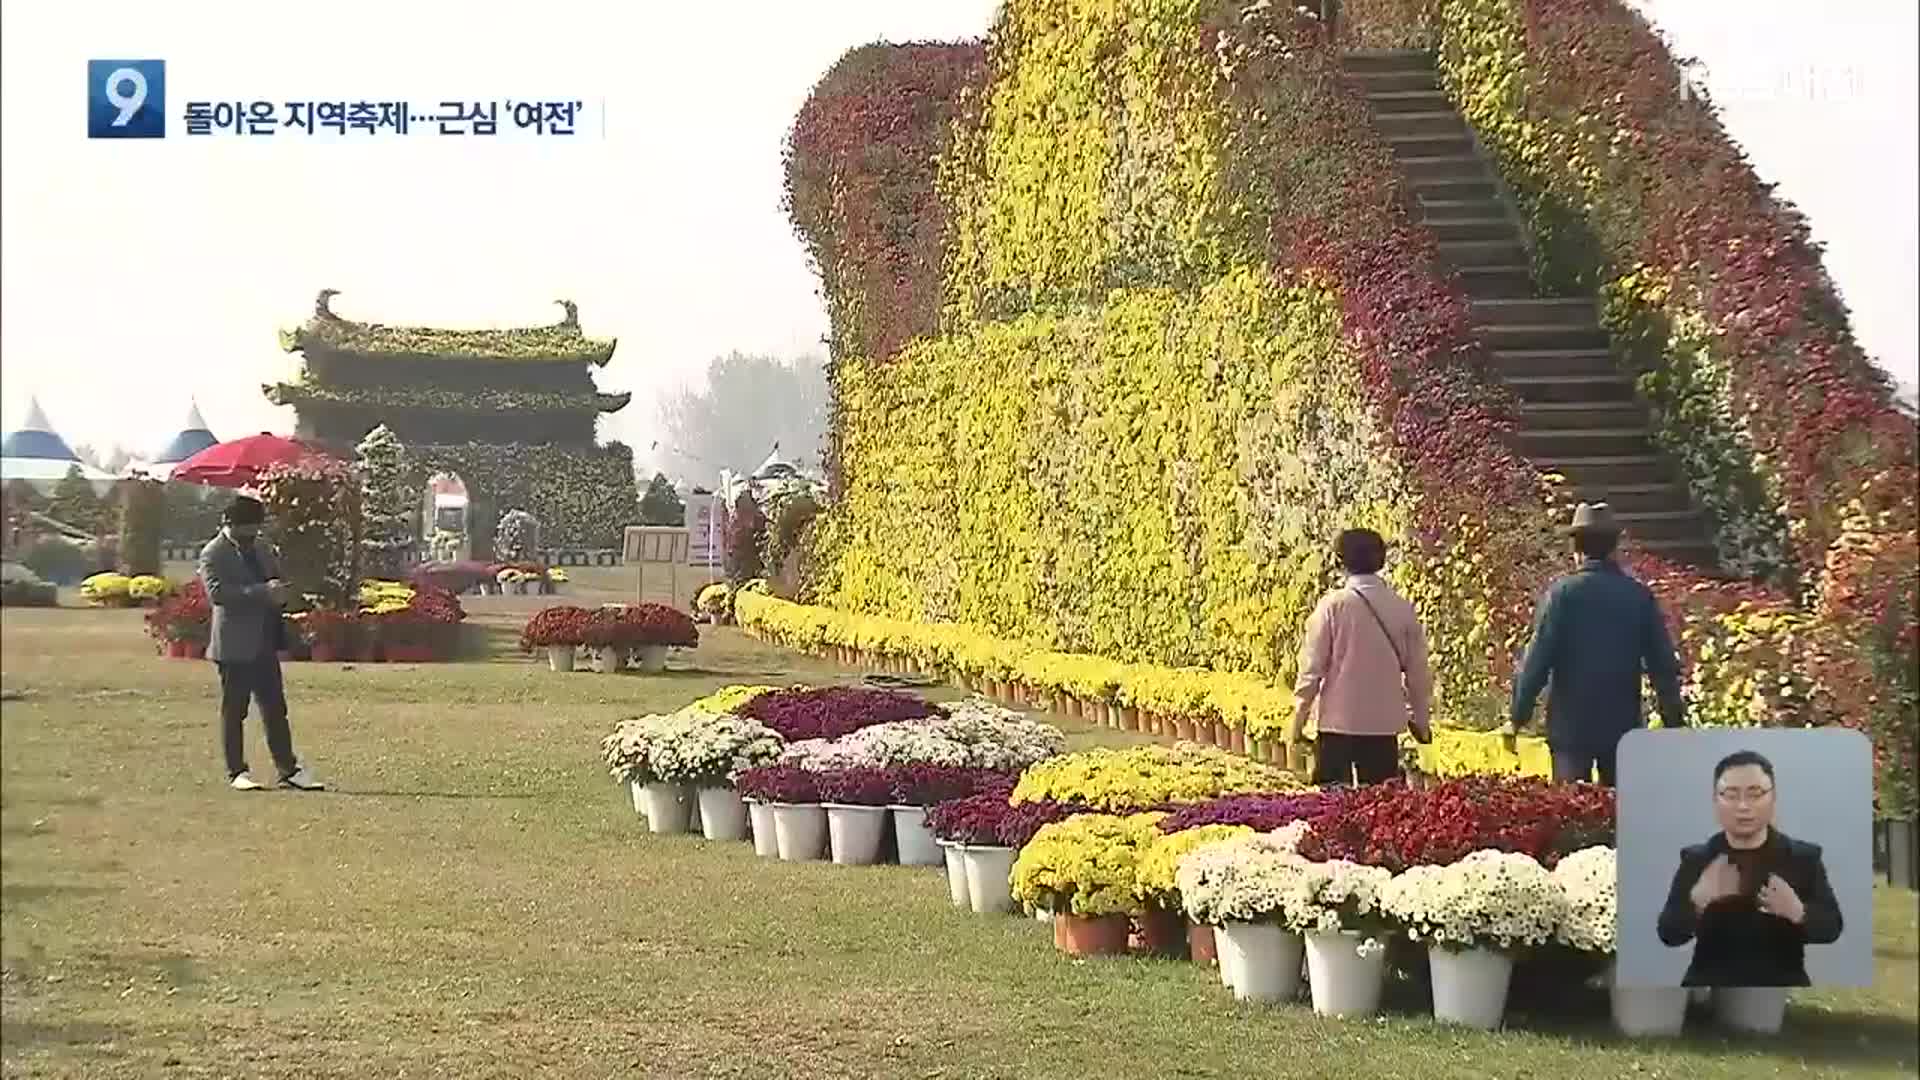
(854, 833)
(1342, 980)
(1758, 1010)
(560, 657)
(1265, 959)
(956, 873)
(722, 815)
(913, 837)
(668, 808)
(800, 830)
(1470, 986)
(989, 870)
(760, 817)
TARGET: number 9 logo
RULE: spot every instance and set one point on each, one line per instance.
(128, 104)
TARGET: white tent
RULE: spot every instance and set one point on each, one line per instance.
(36, 454)
(193, 437)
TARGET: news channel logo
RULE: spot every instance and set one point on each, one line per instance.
(126, 99)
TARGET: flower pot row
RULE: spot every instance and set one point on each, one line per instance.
(794, 832)
(611, 659)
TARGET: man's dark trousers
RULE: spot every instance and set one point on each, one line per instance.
(1578, 765)
(255, 680)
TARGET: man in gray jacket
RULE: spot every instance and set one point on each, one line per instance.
(242, 576)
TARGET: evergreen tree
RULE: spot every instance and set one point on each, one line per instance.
(387, 541)
(193, 514)
(75, 503)
(661, 504)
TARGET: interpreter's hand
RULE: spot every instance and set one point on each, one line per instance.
(277, 592)
(1718, 881)
(1778, 899)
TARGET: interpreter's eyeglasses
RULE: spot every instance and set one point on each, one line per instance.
(1743, 796)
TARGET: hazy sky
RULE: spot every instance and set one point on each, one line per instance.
(136, 273)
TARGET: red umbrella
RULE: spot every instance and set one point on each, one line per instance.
(239, 463)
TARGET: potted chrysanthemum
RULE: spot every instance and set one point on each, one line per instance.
(1587, 878)
(708, 751)
(560, 630)
(1235, 886)
(1335, 905)
(1473, 915)
(1086, 871)
(1164, 927)
(856, 801)
(793, 795)
(627, 755)
(919, 786)
(978, 862)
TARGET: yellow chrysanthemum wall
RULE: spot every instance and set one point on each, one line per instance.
(1153, 480)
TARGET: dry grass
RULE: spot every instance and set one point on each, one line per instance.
(477, 900)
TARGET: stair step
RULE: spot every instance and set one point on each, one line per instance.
(1498, 228)
(1638, 498)
(1364, 60)
(1544, 337)
(1606, 471)
(1403, 125)
(1408, 78)
(1495, 282)
(1442, 144)
(1692, 552)
(1534, 387)
(1586, 442)
(1550, 361)
(1409, 101)
(1559, 415)
(1456, 189)
(1536, 310)
(1437, 209)
(1507, 252)
(1452, 167)
(1662, 524)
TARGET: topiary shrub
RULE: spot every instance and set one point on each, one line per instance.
(517, 538)
(59, 561)
(143, 509)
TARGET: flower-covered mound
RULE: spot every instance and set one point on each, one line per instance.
(1086, 865)
(1138, 777)
(1490, 899)
(729, 699)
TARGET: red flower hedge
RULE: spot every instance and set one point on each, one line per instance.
(1397, 826)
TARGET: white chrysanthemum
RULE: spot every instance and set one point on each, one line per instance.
(1490, 899)
(1588, 878)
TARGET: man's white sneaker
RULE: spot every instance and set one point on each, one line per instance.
(243, 782)
(302, 780)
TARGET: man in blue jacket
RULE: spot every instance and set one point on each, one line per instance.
(1596, 632)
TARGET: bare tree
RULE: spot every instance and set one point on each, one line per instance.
(747, 404)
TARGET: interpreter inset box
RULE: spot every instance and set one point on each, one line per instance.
(1745, 858)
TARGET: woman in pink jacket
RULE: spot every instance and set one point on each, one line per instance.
(1364, 663)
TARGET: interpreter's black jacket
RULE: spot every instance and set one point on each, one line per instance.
(1737, 944)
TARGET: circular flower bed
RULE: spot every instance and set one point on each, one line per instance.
(831, 712)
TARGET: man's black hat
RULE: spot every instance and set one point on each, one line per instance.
(244, 511)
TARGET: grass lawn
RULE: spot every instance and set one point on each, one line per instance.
(477, 899)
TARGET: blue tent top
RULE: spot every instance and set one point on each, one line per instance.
(193, 438)
(36, 439)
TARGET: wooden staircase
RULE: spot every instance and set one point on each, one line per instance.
(1580, 415)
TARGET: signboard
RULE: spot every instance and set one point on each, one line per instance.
(665, 549)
